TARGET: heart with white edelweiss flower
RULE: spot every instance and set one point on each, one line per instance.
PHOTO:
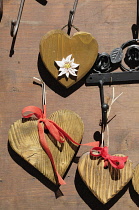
(68, 59)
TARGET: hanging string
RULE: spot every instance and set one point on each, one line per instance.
(102, 151)
(108, 114)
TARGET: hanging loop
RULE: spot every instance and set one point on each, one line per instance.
(71, 16)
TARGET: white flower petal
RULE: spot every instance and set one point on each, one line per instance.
(62, 73)
(72, 61)
(74, 65)
(68, 58)
(72, 72)
(67, 74)
(62, 69)
(60, 63)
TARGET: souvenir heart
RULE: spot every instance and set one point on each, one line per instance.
(103, 183)
(57, 45)
(135, 179)
(24, 140)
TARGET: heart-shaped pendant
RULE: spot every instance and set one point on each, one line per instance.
(68, 59)
(24, 140)
(135, 179)
(103, 183)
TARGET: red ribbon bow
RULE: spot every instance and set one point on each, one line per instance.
(115, 161)
(58, 133)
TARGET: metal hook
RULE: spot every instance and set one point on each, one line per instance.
(104, 106)
(44, 94)
(1, 9)
(71, 16)
(40, 82)
(15, 26)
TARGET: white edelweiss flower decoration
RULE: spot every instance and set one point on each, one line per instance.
(67, 66)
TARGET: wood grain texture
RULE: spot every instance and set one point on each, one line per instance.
(24, 140)
(56, 45)
(103, 183)
(110, 23)
(135, 179)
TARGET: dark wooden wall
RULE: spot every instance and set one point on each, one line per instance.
(110, 23)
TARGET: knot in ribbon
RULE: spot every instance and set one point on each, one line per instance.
(53, 128)
(116, 161)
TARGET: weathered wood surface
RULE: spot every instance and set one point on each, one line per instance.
(104, 183)
(110, 23)
(135, 179)
(24, 140)
(56, 45)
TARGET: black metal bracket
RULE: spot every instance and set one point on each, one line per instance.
(108, 63)
(102, 73)
(113, 78)
(102, 79)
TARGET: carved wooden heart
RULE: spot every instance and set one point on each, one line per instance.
(56, 45)
(24, 140)
(103, 183)
(135, 179)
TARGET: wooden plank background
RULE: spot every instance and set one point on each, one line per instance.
(110, 23)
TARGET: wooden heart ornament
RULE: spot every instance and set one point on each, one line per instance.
(24, 140)
(77, 55)
(135, 179)
(103, 183)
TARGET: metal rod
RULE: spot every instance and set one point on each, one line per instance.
(101, 92)
(1, 9)
(15, 26)
(71, 16)
(104, 106)
(135, 27)
(40, 82)
(137, 18)
(44, 94)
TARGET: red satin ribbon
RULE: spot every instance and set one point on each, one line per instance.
(115, 161)
(58, 133)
